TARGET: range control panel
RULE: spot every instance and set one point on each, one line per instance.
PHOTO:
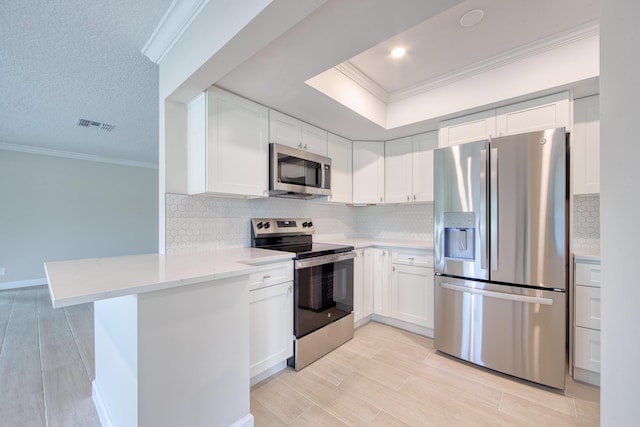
(273, 226)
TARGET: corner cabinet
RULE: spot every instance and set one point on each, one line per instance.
(585, 142)
(409, 168)
(368, 172)
(340, 151)
(227, 145)
(290, 131)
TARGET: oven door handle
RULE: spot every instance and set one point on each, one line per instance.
(321, 260)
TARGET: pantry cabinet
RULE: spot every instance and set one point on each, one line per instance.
(368, 172)
(340, 152)
(585, 142)
(586, 329)
(290, 131)
(227, 145)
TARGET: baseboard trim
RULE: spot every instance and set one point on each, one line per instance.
(101, 409)
(22, 284)
(246, 421)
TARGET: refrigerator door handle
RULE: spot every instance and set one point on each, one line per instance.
(483, 209)
(494, 208)
(498, 295)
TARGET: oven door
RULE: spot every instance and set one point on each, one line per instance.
(323, 291)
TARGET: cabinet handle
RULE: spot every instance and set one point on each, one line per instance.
(393, 268)
(290, 289)
(305, 146)
(381, 199)
(266, 277)
(414, 197)
(300, 145)
(411, 258)
(408, 198)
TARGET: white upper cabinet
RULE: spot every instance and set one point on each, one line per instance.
(408, 167)
(290, 131)
(586, 145)
(340, 152)
(398, 175)
(423, 146)
(473, 127)
(227, 144)
(368, 172)
(548, 112)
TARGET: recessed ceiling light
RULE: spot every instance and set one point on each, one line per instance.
(472, 17)
(398, 52)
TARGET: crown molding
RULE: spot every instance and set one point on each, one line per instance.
(361, 79)
(76, 156)
(574, 35)
(173, 24)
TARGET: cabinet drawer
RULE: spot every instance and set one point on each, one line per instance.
(271, 274)
(588, 274)
(588, 307)
(412, 257)
(587, 349)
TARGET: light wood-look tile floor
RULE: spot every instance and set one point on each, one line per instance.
(383, 377)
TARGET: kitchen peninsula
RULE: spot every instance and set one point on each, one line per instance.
(171, 333)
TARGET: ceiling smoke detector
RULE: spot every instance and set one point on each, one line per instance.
(99, 126)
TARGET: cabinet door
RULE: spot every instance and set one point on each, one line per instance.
(367, 285)
(314, 139)
(587, 302)
(537, 114)
(398, 176)
(340, 151)
(473, 127)
(271, 326)
(237, 148)
(423, 146)
(368, 172)
(285, 129)
(358, 285)
(587, 350)
(381, 279)
(412, 294)
(585, 141)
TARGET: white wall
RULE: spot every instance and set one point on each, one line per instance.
(55, 208)
(620, 208)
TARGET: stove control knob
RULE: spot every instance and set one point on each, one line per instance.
(310, 224)
(259, 225)
(267, 225)
(304, 224)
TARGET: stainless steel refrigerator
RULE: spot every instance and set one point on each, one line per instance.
(501, 254)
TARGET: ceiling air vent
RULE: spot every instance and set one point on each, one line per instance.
(91, 124)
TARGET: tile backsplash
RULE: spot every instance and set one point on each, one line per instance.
(586, 221)
(215, 222)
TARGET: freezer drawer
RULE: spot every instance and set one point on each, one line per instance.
(517, 331)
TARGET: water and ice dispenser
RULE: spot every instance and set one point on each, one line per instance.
(459, 235)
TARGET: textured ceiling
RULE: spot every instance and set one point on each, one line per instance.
(64, 60)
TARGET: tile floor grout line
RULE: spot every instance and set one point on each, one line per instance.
(75, 343)
(4, 337)
(44, 391)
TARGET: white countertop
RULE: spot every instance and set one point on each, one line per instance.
(88, 280)
(365, 242)
(587, 255)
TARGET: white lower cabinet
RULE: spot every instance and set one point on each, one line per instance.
(362, 284)
(412, 294)
(586, 323)
(381, 279)
(271, 326)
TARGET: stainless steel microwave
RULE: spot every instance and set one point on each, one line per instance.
(298, 174)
